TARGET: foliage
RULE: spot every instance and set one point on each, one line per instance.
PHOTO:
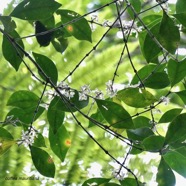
(101, 92)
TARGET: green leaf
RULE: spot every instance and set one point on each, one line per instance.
(130, 182)
(80, 29)
(141, 121)
(146, 71)
(139, 134)
(181, 17)
(23, 99)
(43, 40)
(25, 115)
(67, 107)
(150, 48)
(5, 144)
(115, 114)
(136, 4)
(47, 66)
(5, 134)
(60, 142)
(60, 44)
(176, 71)
(97, 181)
(165, 176)
(157, 80)
(176, 129)
(97, 117)
(55, 116)
(176, 161)
(39, 141)
(10, 53)
(8, 23)
(170, 115)
(182, 95)
(180, 6)
(169, 40)
(35, 9)
(153, 143)
(134, 97)
(42, 162)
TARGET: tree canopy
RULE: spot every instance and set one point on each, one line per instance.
(93, 92)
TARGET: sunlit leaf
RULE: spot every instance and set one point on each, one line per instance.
(48, 67)
(176, 129)
(136, 4)
(153, 143)
(169, 115)
(182, 95)
(115, 114)
(139, 134)
(35, 9)
(97, 117)
(55, 116)
(96, 181)
(42, 161)
(165, 176)
(135, 97)
(176, 161)
(79, 29)
(39, 141)
(5, 144)
(176, 71)
(131, 182)
(60, 142)
(10, 53)
(141, 121)
(180, 6)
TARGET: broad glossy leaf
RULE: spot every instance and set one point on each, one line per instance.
(180, 6)
(5, 134)
(170, 115)
(25, 115)
(182, 95)
(165, 176)
(8, 23)
(60, 142)
(35, 9)
(23, 99)
(55, 116)
(136, 4)
(79, 29)
(66, 107)
(96, 181)
(9, 51)
(43, 40)
(137, 148)
(176, 161)
(131, 182)
(176, 129)
(169, 40)
(134, 97)
(48, 67)
(5, 144)
(39, 141)
(42, 162)
(181, 17)
(139, 134)
(176, 71)
(145, 71)
(153, 143)
(141, 121)
(157, 80)
(150, 47)
(98, 117)
(60, 44)
(115, 114)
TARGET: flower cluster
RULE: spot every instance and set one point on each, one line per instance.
(85, 90)
(165, 100)
(110, 90)
(27, 137)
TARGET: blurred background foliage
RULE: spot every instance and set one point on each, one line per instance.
(84, 158)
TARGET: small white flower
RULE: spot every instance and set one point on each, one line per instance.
(106, 23)
(98, 94)
(49, 94)
(92, 184)
(27, 137)
(110, 90)
(165, 100)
